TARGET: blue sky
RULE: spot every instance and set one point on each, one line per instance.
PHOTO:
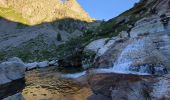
(106, 9)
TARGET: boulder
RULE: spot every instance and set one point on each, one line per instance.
(12, 69)
(30, 66)
(124, 34)
(15, 59)
(53, 63)
(43, 64)
(96, 45)
(101, 46)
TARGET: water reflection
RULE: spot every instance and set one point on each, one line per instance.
(47, 84)
(11, 88)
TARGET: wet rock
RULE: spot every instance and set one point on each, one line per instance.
(121, 86)
(161, 88)
(98, 97)
(17, 96)
(12, 88)
(150, 69)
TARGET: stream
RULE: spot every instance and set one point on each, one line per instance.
(52, 83)
(48, 84)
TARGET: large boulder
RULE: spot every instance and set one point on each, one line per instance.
(96, 45)
(12, 69)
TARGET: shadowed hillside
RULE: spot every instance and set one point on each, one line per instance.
(43, 41)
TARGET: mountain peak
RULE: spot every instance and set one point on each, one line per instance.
(33, 12)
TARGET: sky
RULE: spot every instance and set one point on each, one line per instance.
(106, 9)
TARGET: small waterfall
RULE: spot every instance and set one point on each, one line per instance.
(128, 57)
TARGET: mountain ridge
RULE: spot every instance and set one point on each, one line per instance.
(32, 12)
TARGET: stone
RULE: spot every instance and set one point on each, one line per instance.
(118, 86)
(43, 64)
(53, 62)
(96, 45)
(11, 70)
(17, 96)
(30, 66)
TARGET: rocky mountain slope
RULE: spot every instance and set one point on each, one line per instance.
(32, 12)
(143, 37)
(32, 29)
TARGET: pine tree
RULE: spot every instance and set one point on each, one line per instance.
(59, 37)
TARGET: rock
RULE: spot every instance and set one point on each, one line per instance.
(12, 88)
(3, 78)
(52, 63)
(15, 59)
(11, 70)
(123, 34)
(30, 66)
(96, 45)
(43, 64)
(150, 25)
(140, 52)
(98, 97)
(150, 69)
(17, 96)
(107, 46)
(101, 46)
(161, 88)
(118, 86)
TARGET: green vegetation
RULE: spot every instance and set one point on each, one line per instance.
(59, 38)
(34, 50)
(114, 26)
(2, 55)
(21, 26)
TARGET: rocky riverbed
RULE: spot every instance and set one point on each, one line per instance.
(49, 84)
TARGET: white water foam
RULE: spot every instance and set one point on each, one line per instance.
(74, 75)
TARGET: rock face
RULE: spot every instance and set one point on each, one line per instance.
(147, 51)
(37, 11)
(34, 26)
(10, 70)
(130, 87)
